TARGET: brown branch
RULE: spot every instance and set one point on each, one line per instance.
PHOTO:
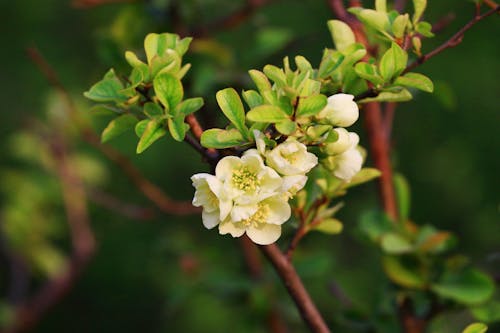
(399, 5)
(232, 20)
(114, 204)
(85, 4)
(379, 146)
(296, 289)
(453, 41)
(389, 111)
(82, 239)
(150, 190)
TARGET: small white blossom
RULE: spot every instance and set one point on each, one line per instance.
(349, 163)
(341, 145)
(291, 158)
(341, 110)
(261, 221)
(246, 179)
(208, 191)
(293, 184)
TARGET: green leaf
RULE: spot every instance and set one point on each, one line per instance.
(267, 114)
(374, 224)
(329, 226)
(368, 72)
(388, 96)
(311, 105)
(189, 106)
(393, 243)
(415, 80)
(107, 90)
(134, 61)
(475, 328)
(117, 126)
(372, 18)
(488, 312)
(157, 44)
(286, 127)
(220, 139)
(425, 29)
(363, 176)
(381, 6)
(303, 64)
(276, 75)
(177, 127)
(260, 80)
(230, 103)
(341, 33)
(169, 90)
(152, 132)
(153, 110)
(403, 271)
(393, 62)
(252, 98)
(403, 197)
(469, 286)
(399, 25)
(329, 63)
(183, 45)
(419, 6)
(140, 127)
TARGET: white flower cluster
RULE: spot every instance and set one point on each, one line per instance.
(250, 194)
(344, 158)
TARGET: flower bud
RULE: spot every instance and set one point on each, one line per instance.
(341, 145)
(341, 110)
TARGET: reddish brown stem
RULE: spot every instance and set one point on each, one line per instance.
(380, 153)
(296, 289)
(453, 41)
(82, 239)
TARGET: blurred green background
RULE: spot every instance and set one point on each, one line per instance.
(169, 274)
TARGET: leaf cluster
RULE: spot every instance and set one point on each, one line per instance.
(151, 99)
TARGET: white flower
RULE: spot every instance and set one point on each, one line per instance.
(341, 110)
(261, 221)
(293, 184)
(342, 144)
(291, 158)
(247, 180)
(208, 191)
(349, 162)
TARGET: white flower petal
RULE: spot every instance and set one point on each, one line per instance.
(291, 158)
(225, 207)
(225, 167)
(210, 219)
(341, 110)
(259, 141)
(265, 235)
(234, 229)
(279, 210)
(293, 184)
(348, 164)
(242, 212)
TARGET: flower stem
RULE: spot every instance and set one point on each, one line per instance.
(295, 288)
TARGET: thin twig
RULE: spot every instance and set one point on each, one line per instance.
(296, 289)
(399, 5)
(82, 239)
(114, 204)
(85, 4)
(232, 20)
(453, 41)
